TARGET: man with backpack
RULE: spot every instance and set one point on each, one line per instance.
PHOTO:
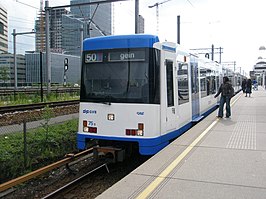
(227, 92)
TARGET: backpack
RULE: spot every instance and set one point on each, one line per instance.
(227, 90)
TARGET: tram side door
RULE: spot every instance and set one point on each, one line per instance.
(170, 94)
(194, 88)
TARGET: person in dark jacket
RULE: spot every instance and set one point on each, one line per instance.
(249, 87)
(244, 85)
(227, 92)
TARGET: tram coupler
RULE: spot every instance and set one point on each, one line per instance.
(112, 153)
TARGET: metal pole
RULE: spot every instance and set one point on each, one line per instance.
(81, 39)
(178, 29)
(41, 79)
(220, 54)
(47, 46)
(212, 52)
(15, 61)
(25, 144)
(136, 16)
(81, 43)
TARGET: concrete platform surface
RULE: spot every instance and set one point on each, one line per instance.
(217, 158)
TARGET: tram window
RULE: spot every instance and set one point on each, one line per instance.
(204, 83)
(211, 78)
(182, 75)
(218, 82)
(170, 83)
(213, 85)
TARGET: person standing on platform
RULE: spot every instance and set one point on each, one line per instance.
(227, 92)
(249, 87)
(244, 85)
(255, 84)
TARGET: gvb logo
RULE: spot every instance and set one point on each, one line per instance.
(86, 111)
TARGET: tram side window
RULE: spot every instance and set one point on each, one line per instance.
(217, 82)
(170, 83)
(204, 83)
(213, 83)
(231, 79)
(182, 76)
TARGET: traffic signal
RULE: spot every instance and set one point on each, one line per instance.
(66, 64)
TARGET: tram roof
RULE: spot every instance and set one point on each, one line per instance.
(120, 41)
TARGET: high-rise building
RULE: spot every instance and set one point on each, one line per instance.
(94, 20)
(3, 30)
(55, 19)
(97, 18)
(66, 28)
(71, 36)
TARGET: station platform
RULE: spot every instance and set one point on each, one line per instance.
(217, 158)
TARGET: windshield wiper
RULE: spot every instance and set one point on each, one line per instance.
(107, 103)
(108, 99)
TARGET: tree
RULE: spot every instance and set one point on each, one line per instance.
(4, 74)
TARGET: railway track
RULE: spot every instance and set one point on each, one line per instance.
(28, 91)
(70, 158)
(86, 178)
(73, 184)
(27, 107)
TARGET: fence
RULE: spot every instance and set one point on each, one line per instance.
(31, 145)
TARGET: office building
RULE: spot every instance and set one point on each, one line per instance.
(3, 30)
(7, 67)
(57, 68)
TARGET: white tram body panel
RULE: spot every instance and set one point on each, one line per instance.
(181, 91)
(113, 120)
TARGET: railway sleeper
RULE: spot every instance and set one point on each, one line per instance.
(111, 153)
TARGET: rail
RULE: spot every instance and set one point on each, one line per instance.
(26, 107)
(7, 92)
(70, 186)
(43, 170)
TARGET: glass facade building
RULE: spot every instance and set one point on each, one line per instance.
(94, 20)
(57, 68)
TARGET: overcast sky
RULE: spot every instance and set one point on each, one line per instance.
(238, 26)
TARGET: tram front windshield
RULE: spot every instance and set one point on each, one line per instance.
(120, 76)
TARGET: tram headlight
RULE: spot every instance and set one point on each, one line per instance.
(111, 117)
(85, 129)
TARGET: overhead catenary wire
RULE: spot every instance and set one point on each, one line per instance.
(190, 3)
(26, 4)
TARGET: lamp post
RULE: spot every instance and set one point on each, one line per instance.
(15, 56)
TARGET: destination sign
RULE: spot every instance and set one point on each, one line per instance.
(126, 56)
(94, 57)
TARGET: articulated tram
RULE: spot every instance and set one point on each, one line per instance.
(138, 91)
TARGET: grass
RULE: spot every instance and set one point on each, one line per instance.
(42, 147)
(22, 98)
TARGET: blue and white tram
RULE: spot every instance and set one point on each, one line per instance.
(138, 90)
